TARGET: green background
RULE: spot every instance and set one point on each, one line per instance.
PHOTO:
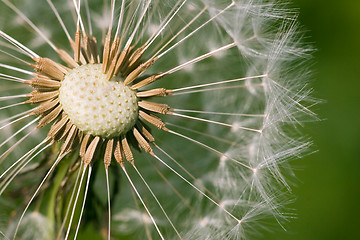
(327, 203)
(328, 192)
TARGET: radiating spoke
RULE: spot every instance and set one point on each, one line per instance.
(143, 203)
(75, 202)
(20, 70)
(28, 21)
(19, 131)
(70, 201)
(219, 113)
(12, 148)
(172, 13)
(157, 201)
(24, 157)
(211, 149)
(20, 115)
(232, 143)
(12, 105)
(53, 8)
(195, 31)
(185, 170)
(218, 83)
(247, 86)
(197, 189)
(200, 58)
(11, 78)
(88, 17)
(18, 169)
(216, 122)
(109, 203)
(13, 97)
(163, 46)
(83, 205)
(18, 45)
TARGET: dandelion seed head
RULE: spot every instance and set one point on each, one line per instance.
(192, 102)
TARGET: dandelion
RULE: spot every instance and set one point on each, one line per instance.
(149, 119)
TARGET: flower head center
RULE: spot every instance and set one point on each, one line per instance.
(96, 106)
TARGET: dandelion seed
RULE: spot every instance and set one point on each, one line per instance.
(154, 120)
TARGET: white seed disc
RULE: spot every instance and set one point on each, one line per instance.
(96, 106)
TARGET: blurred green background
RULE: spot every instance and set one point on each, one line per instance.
(328, 193)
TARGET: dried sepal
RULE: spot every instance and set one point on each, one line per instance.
(157, 122)
(127, 151)
(108, 152)
(142, 142)
(37, 96)
(155, 107)
(90, 151)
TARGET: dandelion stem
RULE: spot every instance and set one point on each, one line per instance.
(37, 190)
